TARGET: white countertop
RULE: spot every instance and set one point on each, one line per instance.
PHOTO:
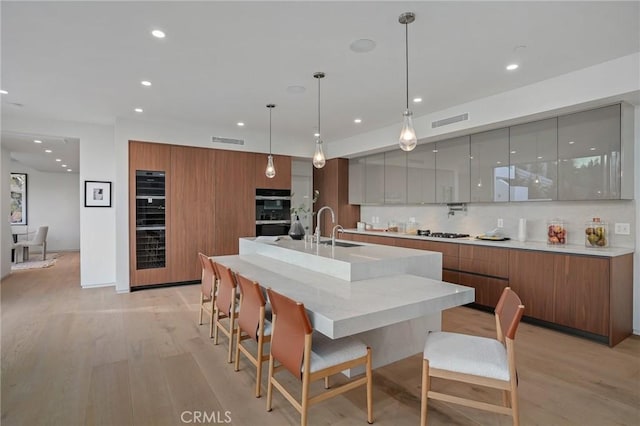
(338, 308)
(349, 263)
(527, 245)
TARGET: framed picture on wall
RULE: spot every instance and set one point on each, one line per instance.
(97, 193)
(18, 208)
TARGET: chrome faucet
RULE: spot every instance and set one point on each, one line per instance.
(333, 234)
(333, 221)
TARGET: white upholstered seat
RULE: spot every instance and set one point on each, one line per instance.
(326, 352)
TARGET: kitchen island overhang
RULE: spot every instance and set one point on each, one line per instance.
(390, 313)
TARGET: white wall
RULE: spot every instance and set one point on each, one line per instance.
(97, 162)
(5, 241)
(53, 199)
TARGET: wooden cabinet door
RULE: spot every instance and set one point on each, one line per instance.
(282, 179)
(149, 157)
(488, 290)
(192, 190)
(484, 260)
(582, 293)
(532, 277)
(235, 198)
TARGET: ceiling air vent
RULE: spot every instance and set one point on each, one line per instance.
(450, 120)
(217, 139)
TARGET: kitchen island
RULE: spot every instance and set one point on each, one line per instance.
(390, 312)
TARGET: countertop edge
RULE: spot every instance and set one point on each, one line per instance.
(531, 245)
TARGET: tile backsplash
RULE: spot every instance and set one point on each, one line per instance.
(480, 218)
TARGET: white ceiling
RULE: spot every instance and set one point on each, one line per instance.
(222, 62)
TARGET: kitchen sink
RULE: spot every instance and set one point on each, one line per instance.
(340, 244)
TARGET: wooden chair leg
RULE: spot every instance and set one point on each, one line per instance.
(231, 333)
(269, 384)
(424, 392)
(327, 385)
(211, 320)
(514, 406)
(506, 398)
(215, 327)
(237, 335)
(305, 399)
(201, 301)
(369, 388)
(259, 366)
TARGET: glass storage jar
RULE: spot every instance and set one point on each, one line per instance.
(556, 232)
(596, 234)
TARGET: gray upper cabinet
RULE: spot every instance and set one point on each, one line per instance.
(374, 179)
(534, 161)
(589, 157)
(421, 174)
(489, 163)
(452, 170)
(395, 177)
(356, 180)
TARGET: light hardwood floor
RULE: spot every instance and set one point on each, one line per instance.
(73, 357)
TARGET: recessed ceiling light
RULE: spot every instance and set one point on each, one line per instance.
(240, 124)
(593, 148)
(357, 120)
(48, 151)
(512, 67)
(145, 83)
(316, 134)
(513, 152)
(539, 157)
(37, 141)
(63, 166)
(58, 160)
(362, 45)
(434, 150)
(498, 162)
(158, 34)
(3, 92)
(296, 90)
(69, 170)
(417, 100)
(138, 110)
(572, 142)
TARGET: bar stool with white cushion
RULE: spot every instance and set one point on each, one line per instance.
(476, 360)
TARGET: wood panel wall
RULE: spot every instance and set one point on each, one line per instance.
(333, 183)
(235, 200)
(191, 229)
(282, 179)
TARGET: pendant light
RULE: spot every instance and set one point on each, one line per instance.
(270, 172)
(318, 158)
(408, 139)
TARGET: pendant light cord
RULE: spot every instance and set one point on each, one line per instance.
(406, 44)
(270, 130)
(319, 134)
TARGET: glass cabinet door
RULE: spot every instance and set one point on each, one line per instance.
(490, 166)
(395, 177)
(421, 174)
(452, 170)
(533, 159)
(356, 180)
(589, 154)
(374, 179)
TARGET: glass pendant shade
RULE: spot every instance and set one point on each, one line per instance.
(318, 158)
(270, 172)
(408, 139)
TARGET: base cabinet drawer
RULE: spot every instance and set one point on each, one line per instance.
(488, 290)
(482, 260)
(532, 277)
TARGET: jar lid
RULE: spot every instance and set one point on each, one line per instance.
(596, 219)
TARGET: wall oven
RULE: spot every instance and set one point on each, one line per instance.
(273, 211)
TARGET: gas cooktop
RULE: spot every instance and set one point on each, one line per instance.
(428, 233)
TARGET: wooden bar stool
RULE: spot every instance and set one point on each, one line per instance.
(226, 306)
(291, 346)
(208, 288)
(252, 325)
(476, 360)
